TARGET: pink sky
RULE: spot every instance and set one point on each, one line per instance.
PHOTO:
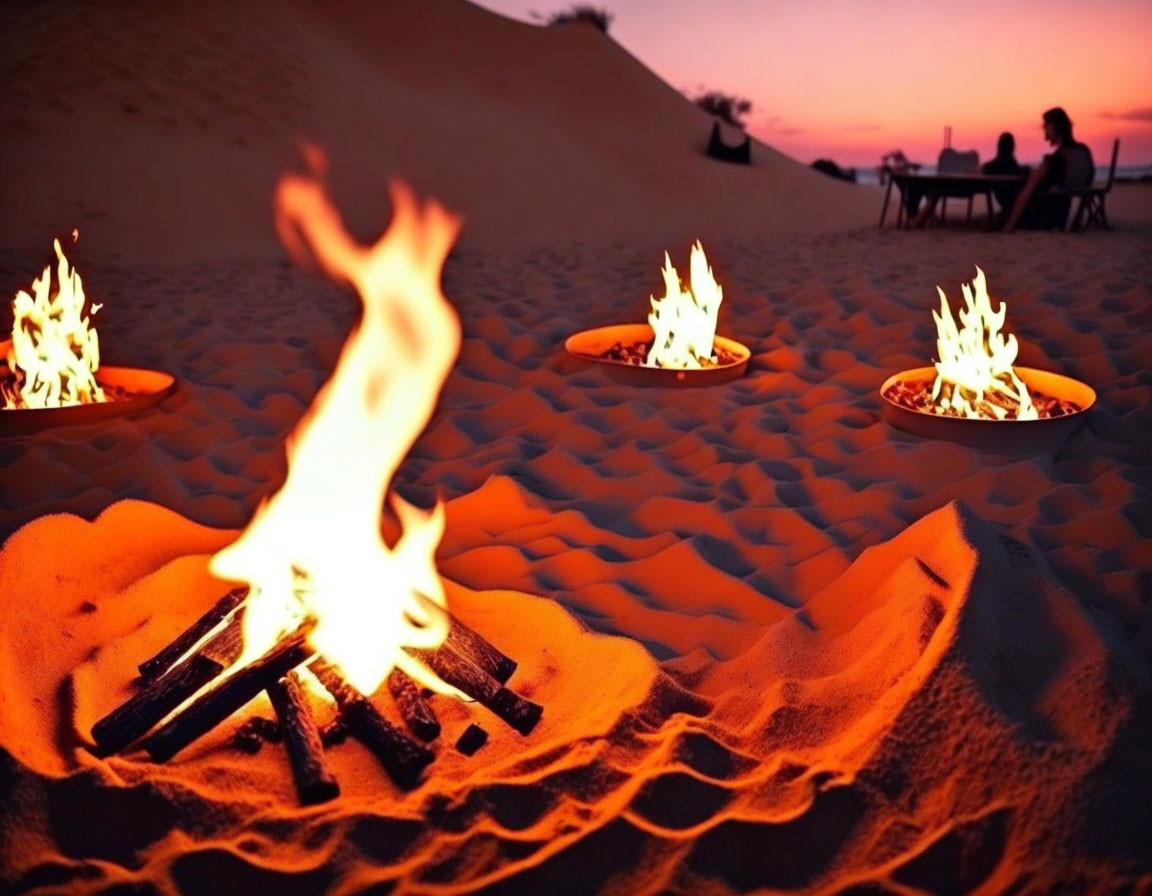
(849, 81)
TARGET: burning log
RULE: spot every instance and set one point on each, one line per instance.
(335, 732)
(314, 783)
(192, 635)
(402, 757)
(214, 706)
(214, 642)
(133, 719)
(470, 644)
(466, 676)
(416, 711)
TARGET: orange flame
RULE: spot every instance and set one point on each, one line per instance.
(315, 548)
(54, 353)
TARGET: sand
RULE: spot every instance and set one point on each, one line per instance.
(781, 645)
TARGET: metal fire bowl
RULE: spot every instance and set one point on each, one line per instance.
(589, 344)
(147, 386)
(1001, 435)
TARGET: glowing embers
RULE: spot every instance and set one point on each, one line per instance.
(324, 591)
(50, 372)
(678, 345)
(975, 381)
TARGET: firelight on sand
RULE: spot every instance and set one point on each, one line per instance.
(976, 359)
(315, 548)
(684, 320)
(55, 353)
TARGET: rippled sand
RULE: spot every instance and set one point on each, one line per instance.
(771, 651)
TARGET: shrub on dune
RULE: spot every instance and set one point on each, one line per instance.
(578, 12)
(725, 106)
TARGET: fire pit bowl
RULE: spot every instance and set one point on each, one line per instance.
(994, 434)
(144, 388)
(590, 345)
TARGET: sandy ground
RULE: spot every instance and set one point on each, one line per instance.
(781, 645)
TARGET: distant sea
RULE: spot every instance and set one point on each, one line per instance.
(871, 176)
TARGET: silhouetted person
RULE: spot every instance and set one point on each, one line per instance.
(1005, 163)
(1070, 165)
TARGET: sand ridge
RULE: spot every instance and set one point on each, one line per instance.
(194, 110)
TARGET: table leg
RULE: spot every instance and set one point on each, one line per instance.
(884, 208)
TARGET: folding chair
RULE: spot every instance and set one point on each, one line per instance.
(1091, 210)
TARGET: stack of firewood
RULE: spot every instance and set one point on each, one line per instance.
(157, 718)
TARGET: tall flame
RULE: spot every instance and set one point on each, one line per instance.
(976, 358)
(684, 320)
(55, 353)
(315, 548)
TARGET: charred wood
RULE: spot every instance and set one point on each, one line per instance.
(335, 732)
(466, 676)
(254, 733)
(403, 758)
(135, 717)
(314, 783)
(216, 705)
(473, 738)
(470, 644)
(191, 636)
(415, 710)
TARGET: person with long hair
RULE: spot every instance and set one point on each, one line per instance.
(1005, 163)
(1069, 165)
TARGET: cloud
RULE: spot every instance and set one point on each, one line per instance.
(775, 124)
(864, 127)
(1141, 114)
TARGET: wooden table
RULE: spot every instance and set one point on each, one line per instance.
(944, 186)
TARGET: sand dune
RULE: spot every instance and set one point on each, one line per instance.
(192, 112)
(781, 645)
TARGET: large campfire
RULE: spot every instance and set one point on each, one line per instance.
(976, 378)
(678, 344)
(329, 612)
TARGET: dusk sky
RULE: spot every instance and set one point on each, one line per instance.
(850, 81)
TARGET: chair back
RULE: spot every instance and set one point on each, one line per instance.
(952, 161)
(1112, 167)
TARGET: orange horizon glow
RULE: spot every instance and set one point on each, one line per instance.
(851, 82)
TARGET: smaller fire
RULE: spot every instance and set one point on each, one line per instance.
(55, 353)
(678, 344)
(974, 375)
(975, 378)
(684, 320)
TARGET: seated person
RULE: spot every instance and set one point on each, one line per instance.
(1070, 165)
(1005, 163)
